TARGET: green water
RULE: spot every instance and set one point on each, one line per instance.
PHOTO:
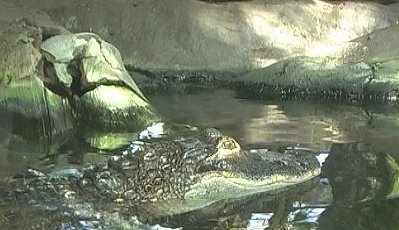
(359, 185)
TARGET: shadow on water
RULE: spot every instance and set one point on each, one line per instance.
(358, 188)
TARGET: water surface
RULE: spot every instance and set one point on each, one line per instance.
(357, 190)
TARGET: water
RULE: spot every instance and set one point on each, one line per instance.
(358, 188)
(283, 122)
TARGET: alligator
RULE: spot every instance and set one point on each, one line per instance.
(195, 170)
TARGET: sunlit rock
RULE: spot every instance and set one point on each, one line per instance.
(89, 72)
(365, 67)
(66, 80)
(335, 37)
(223, 35)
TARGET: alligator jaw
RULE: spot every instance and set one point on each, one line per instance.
(256, 172)
(216, 188)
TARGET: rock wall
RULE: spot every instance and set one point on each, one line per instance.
(238, 36)
(310, 44)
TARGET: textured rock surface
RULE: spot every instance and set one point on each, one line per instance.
(66, 79)
(89, 73)
(241, 36)
(226, 36)
(368, 69)
(21, 90)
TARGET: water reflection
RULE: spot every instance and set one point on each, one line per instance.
(277, 123)
(266, 210)
(364, 187)
(317, 125)
(359, 188)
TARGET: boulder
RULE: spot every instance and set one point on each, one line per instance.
(365, 67)
(89, 73)
(68, 81)
(21, 90)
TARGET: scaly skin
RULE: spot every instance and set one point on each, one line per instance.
(207, 166)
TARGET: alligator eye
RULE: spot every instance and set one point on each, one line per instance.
(229, 145)
(222, 165)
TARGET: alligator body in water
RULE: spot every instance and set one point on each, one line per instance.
(198, 169)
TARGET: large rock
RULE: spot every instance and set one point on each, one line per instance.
(366, 67)
(233, 35)
(90, 74)
(21, 91)
(66, 80)
(321, 45)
